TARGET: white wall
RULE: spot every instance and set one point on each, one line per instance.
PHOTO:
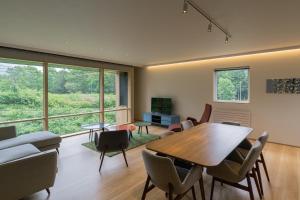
(190, 85)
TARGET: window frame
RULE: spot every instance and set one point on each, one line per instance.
(45, 118)
(215, 85)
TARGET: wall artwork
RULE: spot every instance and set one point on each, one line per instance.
(283, 86)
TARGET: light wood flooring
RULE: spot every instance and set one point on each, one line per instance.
(78, 177)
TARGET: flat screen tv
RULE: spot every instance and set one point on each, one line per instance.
(161, 105)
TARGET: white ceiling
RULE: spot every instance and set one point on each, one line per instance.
(147, 32)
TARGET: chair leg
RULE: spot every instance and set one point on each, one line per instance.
(124, 154)
(48, 191)
(259, 177)
(193, 192)
(146, 188)
(57, 150)
(256, 183)
(212, 188)
(201, 184)
(147, 130)
(250, 190)
(170, 192)
(101, 158)
(265, 166)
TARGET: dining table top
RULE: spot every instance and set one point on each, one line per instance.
(207, 144)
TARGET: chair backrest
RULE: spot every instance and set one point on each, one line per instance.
(186, 124)
(161, 171)
(231, 123)
(263, 138)
(112, 140)
(251, 158)
(7, 132)
(206, 114)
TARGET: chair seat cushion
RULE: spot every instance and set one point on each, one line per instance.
(228, 170)
(17, 152)
(38, 139)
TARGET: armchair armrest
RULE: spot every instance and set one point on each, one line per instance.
(7, 132)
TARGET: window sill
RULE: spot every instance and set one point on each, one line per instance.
(237, 102)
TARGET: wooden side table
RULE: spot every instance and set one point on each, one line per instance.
(141, 125)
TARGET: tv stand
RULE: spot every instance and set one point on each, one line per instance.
(160, 119)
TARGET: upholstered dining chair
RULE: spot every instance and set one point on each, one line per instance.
(112, 141)
(164, 175)
(187, 124)
(205, 116)
(244, 148)
(245, 151)
(231, 173)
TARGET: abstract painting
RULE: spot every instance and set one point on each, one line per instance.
(283, 86)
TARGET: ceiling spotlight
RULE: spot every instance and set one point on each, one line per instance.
(209, 28)
(185, 6)
(226, 39)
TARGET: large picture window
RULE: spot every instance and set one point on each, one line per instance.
(72, 90)
(61, 98)
(232, 85)
(21, 93)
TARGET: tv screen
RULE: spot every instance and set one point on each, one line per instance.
(161, 105)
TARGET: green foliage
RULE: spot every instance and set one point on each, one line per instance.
(226, 89)
(232, 85)
(71, 91)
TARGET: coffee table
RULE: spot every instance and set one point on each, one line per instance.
(141, 125)
(93, 127)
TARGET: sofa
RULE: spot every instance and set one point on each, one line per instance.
(28, 163)
(43, 140)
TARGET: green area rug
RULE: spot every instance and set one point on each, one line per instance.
(135, 141)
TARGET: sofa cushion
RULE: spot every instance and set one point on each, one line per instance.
(17, 152)
(38, 139)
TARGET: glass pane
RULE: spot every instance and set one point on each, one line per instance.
(232, 85)
(27, 127)
(67, 125)
(116, 117)
(115, 89)
(73, 89)
(21, 90)
(110, 117)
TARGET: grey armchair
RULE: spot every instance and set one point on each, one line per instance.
(166, 176)
(231, 173)
(111, 141)
(187, 124)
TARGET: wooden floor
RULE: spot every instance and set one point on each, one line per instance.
(78, 177)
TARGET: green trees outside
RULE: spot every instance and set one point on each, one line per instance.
(70, 91)
(232, 85)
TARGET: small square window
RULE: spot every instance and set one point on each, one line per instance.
(232, 85)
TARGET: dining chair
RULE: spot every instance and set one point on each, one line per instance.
(244, 149)
(244, 152)
(112, 141)
(187, 124)
(205, 116)
(231, 173)
(163, 174)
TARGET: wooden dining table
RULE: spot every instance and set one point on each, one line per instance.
(206, 144)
